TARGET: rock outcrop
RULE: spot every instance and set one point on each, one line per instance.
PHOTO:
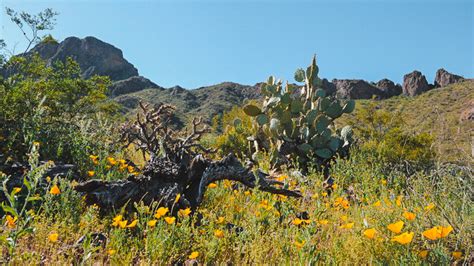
(415, 83)
(132, 84)
(94, 56)
(444, 78)
(329, 87)
(356, 89)
(389, 88)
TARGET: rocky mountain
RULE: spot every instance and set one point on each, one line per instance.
(96, 57)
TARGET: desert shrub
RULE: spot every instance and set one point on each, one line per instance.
(382, 135)
(231, 130)
(54, 106)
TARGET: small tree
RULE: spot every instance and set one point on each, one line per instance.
(32, 25)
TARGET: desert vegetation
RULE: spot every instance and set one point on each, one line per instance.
(297, 176)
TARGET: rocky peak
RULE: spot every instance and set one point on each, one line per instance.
(389, 87)
(444, 78)
(415, 83)
(356, 89)
(94, 56)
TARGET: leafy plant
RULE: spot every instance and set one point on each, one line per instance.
(52, 105)
(383, 135)
(297, 122)
(16, 206)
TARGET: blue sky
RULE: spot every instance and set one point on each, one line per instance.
(198, 43)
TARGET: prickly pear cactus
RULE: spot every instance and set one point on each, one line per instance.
(299, 120)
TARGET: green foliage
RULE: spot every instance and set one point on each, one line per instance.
(235, 127)
(382, 134)
(17, 203)
(299, 121)
(54, 106)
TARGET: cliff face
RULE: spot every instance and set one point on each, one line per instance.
(93, 56)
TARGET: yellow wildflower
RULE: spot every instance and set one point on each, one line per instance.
(93, 157)
(396, 227)
(130, 169)
(347, 226)
(53, 237)
(437, 232)
(281, 178)
(246, 193)
(220, 220)
(184, 212)
(11, 221)
(323, 222)
(370, 233)
(133, 224)
(457, 254)
(170, 220)
(111, 252)
(377, 203)
(404, 238)
(399, 201)
(111, 161)
(55, 190)
(324, 194)
(152, 223)
(117, 219)
(122, 224)
(218, 233)
(299, 244)
(212, 185)
(409, 216)
(90, 173)
(193, 255)
(340, 201)
(16, 190)
(161, 212)
(423, 254)
(430, 207)
(178, 196)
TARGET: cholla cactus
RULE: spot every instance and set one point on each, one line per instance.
(299, 120)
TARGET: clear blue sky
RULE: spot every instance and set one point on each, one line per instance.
(197, 43)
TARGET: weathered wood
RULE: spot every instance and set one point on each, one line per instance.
(177, 165)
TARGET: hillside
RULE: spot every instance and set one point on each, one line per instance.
(447, 113)
(205, 101)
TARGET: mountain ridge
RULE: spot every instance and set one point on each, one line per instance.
(96, 57)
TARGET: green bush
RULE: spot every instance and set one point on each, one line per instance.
(54, 106)
(383, 137)
(231, 130)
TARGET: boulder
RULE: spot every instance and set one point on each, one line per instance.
(94, 56)
(415, 83)
(356, 89)
(444, 78)
(132, 84)
(468, 113)
(389, 88)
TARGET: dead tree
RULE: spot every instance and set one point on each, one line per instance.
(177, 164)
